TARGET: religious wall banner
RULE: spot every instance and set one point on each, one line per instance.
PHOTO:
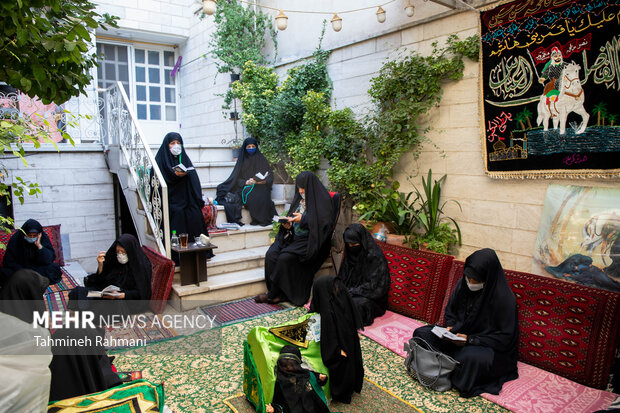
(579, 236)
(551, 88)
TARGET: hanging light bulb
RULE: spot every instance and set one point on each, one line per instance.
(409, 8)
(208, 6)
(336, 23)
(281, 21)
(380, 15)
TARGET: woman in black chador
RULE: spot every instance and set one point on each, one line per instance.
(364, 271)
(297, 390)
(483, 311)
(30, 249)
(184, 192)
(253, 192)
(126, 266)
(340, 343)
(302, 244)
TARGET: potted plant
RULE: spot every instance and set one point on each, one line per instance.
(432, 230)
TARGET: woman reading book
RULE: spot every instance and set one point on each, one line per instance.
(301, 245)
(482, 312)
(251, 182)
(125, 266)
(184, 191)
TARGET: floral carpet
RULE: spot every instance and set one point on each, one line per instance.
(200, 383)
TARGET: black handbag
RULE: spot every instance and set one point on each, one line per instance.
(430, 367)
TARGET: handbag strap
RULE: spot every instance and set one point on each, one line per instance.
(415, 361)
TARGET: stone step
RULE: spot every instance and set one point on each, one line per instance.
(237, 260)
(212, 171)
(204, 153)
(245, 214)
(248, 236)
(226, 287)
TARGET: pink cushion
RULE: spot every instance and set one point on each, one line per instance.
(161, 281)
(419, 281)
(52, 231)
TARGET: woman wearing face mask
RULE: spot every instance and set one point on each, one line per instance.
(31, 249)
(252, 191)
(483, 311)
(184, 191)
(364, 271)
(301, 245)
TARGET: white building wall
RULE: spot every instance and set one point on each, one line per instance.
(76, 192)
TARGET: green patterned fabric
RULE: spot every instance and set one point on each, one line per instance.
(201, 383)
(265, 349)
(138, 396)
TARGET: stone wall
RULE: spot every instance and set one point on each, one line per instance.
(77, 193)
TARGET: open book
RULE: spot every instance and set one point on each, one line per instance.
(182, 168)
(261, 177)
(280, 219)
(110, 290)
(442, 332)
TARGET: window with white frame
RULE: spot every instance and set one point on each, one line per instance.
(150, 77)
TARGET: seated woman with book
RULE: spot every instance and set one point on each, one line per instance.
(123, 273)
(30, 248)
(250, 185)
(301, 245)
(482, 328)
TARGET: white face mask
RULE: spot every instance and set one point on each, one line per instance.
(176, 149)
(122, 258)
(474, 287)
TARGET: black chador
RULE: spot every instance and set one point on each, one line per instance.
(22, 252)
(256, 197)
(184, 192)
(364, 271)
(340, 343)
(297, 253)
(488, 318)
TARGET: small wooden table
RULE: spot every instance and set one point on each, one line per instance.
(193, 262)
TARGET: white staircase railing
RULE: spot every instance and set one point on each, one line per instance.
(124, 130)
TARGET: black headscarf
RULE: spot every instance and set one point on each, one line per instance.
(246, 167)
(134, 278)
(319, 215)
(339, 324)
(294, 381)
(364, 270)
(489, 316)
(22, 254)
(166, 160)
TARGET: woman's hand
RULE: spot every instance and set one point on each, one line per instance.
(100, 261)
(37, 243)
(322, 377)
(342, 353)
(459, 342)
(180, 174)
(286, 225)
(269, 408)
(120, 296)
(250, 181)
(295, 218)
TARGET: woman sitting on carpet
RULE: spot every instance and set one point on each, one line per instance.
(30, 248)
(483, 311)
(340, 343)
(364, 271)
(297, 390)
(302, 244)
(252, 191)
(124, 265)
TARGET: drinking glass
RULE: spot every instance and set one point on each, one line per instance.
(197, 241)
(183, 239)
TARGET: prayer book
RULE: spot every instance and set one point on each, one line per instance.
(442, 332)
(110, 290)
(281, 220)
(182, 168)
(259, 176)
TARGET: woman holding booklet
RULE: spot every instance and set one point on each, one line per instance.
(123, 273)
(184, 190)
(249, 184)
(482, 328)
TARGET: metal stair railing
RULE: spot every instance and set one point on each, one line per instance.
(123, 129)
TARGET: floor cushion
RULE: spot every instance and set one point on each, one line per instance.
(419, 281)
(161, 281)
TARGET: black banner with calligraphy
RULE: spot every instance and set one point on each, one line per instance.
(551, 88)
